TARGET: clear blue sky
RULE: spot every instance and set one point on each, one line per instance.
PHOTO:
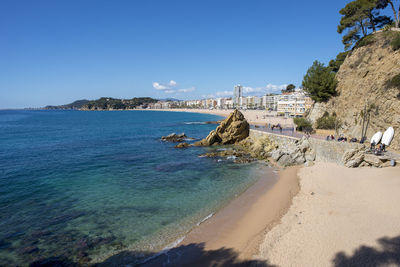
(55, 52)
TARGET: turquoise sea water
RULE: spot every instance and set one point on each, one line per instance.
(85, 185)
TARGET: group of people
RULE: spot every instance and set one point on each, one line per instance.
(377, 149)
(340, 139)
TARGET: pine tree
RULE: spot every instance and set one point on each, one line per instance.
(319, 82)
(357, 17)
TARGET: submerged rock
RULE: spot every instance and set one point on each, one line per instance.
(237, 156)
(212, 122)
(233, 129)
(182, 145)
(28, 250)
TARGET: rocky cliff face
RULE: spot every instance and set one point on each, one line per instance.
(363, 80)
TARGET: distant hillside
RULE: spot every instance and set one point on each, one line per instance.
(369, 77)
(108, 103)
(170, 99)
(78, 104)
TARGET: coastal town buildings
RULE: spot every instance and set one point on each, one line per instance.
(293, 104)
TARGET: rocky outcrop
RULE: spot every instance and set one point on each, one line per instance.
(182, 145)
(176, 138)
(363, 80)
(316, 112)
(231, 130)
(360, 157)
(296, 153)
(293, 152)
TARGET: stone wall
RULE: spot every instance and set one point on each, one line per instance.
(332, 151)
(327, 151)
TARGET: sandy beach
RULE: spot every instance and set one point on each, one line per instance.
(341, 217)
(234, 234)
(255, 117)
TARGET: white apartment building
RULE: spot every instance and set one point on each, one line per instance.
(237, 95)
(257, 102)
(228, 103)
(294, 104)
(270, 102)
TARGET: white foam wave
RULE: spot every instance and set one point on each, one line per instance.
(164, 250)
(205, 218)
(195, 122)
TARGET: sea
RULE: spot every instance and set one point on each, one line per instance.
(82, 186)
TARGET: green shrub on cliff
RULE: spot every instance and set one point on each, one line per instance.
(367, 40)
(335, 64)
(302, 124)
(396, 42)
(394, 82)
(327, 122)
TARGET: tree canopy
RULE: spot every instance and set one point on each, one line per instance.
(335, 64)
(289, 89)
(382, 4)
(319, 82)
(358, 17)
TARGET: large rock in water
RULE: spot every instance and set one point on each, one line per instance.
(233, 129)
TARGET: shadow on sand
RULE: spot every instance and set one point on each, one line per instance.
(388, 253)
(185, 255)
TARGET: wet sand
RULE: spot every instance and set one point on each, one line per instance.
(234, 234)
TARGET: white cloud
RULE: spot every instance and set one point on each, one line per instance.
(168, 86)
(224, 93)
(273, 87)
(269, 88)
(159, 86)
(186, 90)
(208, 96)
(250, 90)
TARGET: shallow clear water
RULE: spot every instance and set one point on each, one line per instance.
(84, 185)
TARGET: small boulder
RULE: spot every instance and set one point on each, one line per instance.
(285, 160)
(276, 154)
(355, 161)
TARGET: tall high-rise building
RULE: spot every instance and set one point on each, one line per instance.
(237, 94)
